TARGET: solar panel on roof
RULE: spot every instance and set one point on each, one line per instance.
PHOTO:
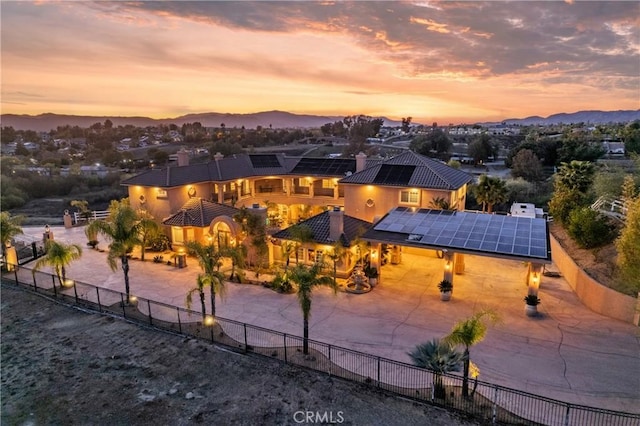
(392, 174)
(264, 161)
(323, 166)
(506, 235)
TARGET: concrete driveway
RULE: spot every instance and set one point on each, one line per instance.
(568, 353)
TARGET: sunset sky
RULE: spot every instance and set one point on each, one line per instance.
(434, 61)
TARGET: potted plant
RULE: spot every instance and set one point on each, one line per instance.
(372, 273)
(446, 288)
(531, 304)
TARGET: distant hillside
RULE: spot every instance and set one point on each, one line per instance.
(592, 117)
(278, 120)
(275, 119)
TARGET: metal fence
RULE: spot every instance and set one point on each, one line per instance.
(486, 402)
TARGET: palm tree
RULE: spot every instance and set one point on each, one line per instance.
(441, 203)
(9, 228)
(300, 234)
(335, 256)
(209, 260)
(237, 254)
(467, 333)
(306, 279)
(576, 175)
(122, 229)
(490, 191)
(148, 229)
(439, 357)
(59, 256)
(201, 283)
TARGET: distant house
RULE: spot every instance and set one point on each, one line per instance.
(613, 147)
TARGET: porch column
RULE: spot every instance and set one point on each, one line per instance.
(374, 258)
(336, 193)
(221, 188)
(459, 263)
(449, 264)
(310, 187)
(534, 274)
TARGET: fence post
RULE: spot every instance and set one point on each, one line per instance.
(330, 363)
(98, 294)
(284, 336)
(244, 325)
(34, 250)
(53, 280)
(378, 371)
(124, 312)
(566, 416)
(495, 405)
(179, 322)
(15, 274)
(150, 317)
(212, 331)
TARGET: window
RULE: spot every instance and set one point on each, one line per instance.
(410, 197)
(304, 182)
(319, 256)
(177, 235)
(162, 193)
(327, 184)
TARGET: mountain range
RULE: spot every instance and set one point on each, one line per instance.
(279, 119)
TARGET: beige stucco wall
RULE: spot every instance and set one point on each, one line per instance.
(594, 295)
(386, 198)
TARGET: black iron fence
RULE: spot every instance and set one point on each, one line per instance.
(489, 403)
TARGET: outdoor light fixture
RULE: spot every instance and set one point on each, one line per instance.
(133, 299)
(47, 229)
(208, 320)
(447, 265)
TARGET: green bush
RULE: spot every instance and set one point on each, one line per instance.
(589, 228)
(159, 243)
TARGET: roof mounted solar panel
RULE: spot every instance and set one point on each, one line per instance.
(264, 161)
(392, 174)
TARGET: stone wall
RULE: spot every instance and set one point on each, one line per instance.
(594, 295)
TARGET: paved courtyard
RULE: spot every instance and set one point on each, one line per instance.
(568, 353)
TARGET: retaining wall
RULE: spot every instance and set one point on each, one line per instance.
(594, 295)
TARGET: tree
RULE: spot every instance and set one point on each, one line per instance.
(59, 256)
(438, 356)
(440, 203)
(201, 282)
(490, 191)
(148, 230)
(9, 228)
(481, 149)
(468, 332)
(631, 137)
(589, 228)
(209, 261)
(406, 124)
(300, 234)
(527, 166)
(121, 228)
(576, 175)
(335, 255)
(628, 246)
(436, 143)
(237, 254)
(307, 278)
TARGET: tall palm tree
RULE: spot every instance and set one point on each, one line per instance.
(9, 228)
(307, 278)
(122, 229)
(59, 256)
(576, 175)
(468, 332)
(438, 356)
(490, 191)
(209, 261)
(237, 254)
(335, 255)
(201, 282)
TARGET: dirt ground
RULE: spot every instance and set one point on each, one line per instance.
(60, 365)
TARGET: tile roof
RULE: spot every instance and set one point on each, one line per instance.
(241, 166)
(319, 226)
(422, 172)
(200, 213)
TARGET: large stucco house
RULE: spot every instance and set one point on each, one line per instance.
(337, 198)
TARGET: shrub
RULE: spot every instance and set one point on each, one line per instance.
(531, 300)
(158, 259)
(589, 228)
(159, 243)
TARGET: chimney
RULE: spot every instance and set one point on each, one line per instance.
(361, 161)
(183, 158)
(218, 156)
(336, 223)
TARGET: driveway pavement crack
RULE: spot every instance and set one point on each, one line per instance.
(564, 361)
(417, 305)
